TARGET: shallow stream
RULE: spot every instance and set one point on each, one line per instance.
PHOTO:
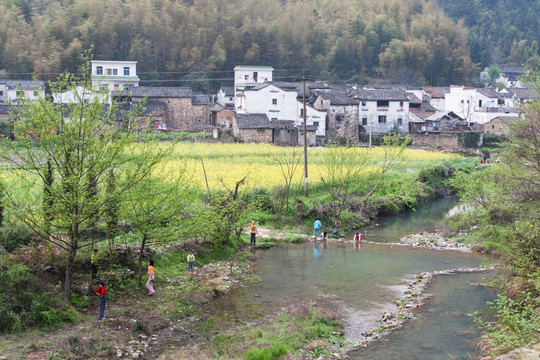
(363, 284)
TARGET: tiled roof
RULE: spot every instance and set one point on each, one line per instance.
(413, 99)
(339, 98)
(24, 84)
(506, 119)
(4, 108)
(228, 90)
(509, 69)
(381, 94)
(421, 112)
(200, 99)
(253, 67)
(441, 114)
(253, 121)
(160, 91)
(283, 124)
(489, 92)
(523, 93)
(437, 91)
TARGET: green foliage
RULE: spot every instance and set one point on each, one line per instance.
(493, 140)
(470, 139)
(27, 301)
(14, 234)
(261, 200)
(435, 177)
(406, 41)
(79, 302)
(517, 321)
(276, 351)
(6, 129)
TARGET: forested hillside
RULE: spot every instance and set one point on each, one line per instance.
(500, 32)
(404, 41)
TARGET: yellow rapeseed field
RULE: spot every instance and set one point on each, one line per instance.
(232, 162)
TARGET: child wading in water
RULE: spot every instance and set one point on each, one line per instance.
(150, 278)
(190, 260)
(358, 240)
(102, 293)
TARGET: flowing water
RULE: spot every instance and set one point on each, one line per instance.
(362, 284)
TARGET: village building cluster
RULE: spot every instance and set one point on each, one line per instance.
(258, 109)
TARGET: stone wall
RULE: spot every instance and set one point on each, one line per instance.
(447, 140)
(256, 135)
(285, 136)
(342, 123)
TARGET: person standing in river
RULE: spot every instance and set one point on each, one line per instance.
(317, 227)
(253, 232)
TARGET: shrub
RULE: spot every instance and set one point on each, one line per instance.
(14, 235)
(26, 302)
(275, 351)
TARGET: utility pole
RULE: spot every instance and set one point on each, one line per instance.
(305, 135)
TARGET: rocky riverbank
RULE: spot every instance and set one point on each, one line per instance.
(433, 241)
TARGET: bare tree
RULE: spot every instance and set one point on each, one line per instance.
(288, 160)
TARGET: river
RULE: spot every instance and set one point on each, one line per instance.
(362, 284)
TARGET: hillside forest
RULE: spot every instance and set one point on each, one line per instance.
(198, 42)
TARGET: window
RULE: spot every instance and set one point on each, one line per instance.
(301, 112)
(500, 101)
(274, 101)
(35, 93)
(382, 103)
(103, 87)
(364, 103)
(364, 120)
(321, 102)
(1, 93)
(116, 86)
(246, 77)
(99, 70)
(400, 121)
(493, 126)
(401, 104)
(316, 123)
(382, 118)
(462, 101)
(126, 71)
(255, 76)
(274, 119)
(480, 103)
(112, 71)
(125, 87)
(468, 101)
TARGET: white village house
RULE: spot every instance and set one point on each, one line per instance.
(15, 90)
(114, 75)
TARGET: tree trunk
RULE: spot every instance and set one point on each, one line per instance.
(143, 243)
(69, 273)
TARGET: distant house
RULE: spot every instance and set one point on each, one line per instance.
(519, 96)
(247, 77)
(311, 135)
(253, 128)
(445, 121)
(383, 110)
(14, 91)
(436, 96)
(221, 116)
(225, 96)
(114, 75)
(499, 125)
(510, 74)
(282, 101)
(181, 109)
(342, 113)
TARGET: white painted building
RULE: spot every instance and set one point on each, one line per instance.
(281, 103)
(114, 75)
(382, 111)
(247, 77)
(477, 106)
(14, 90)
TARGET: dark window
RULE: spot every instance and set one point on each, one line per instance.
(401, 104)
(364, 120)
(274, 101)
(493, 126)
(500, 101)
(462, 101)
(1, 93)
(316, 123)
(363, 103)
(255, 76)
(480, 103)
(400, 121)
(382, 118)
(301, 112)
(382, 103)
(99, 70)
(274, 119)
(126, 71)
(35, 93)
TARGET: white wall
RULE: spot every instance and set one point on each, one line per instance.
(393, 112)
(110, 74)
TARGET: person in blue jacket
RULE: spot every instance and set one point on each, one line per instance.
(317, 227)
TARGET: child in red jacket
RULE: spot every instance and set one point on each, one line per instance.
(102, 293)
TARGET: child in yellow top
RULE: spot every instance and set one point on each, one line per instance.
(253, 231)
(190, 260)
(150, 278)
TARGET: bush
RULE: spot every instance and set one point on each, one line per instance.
(275, 351)
(26, 301)
(14, 235)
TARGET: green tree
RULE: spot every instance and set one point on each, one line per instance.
(76, 137)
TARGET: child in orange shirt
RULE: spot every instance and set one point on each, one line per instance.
(150, 278)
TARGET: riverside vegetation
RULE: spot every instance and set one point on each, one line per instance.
(70, 186)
